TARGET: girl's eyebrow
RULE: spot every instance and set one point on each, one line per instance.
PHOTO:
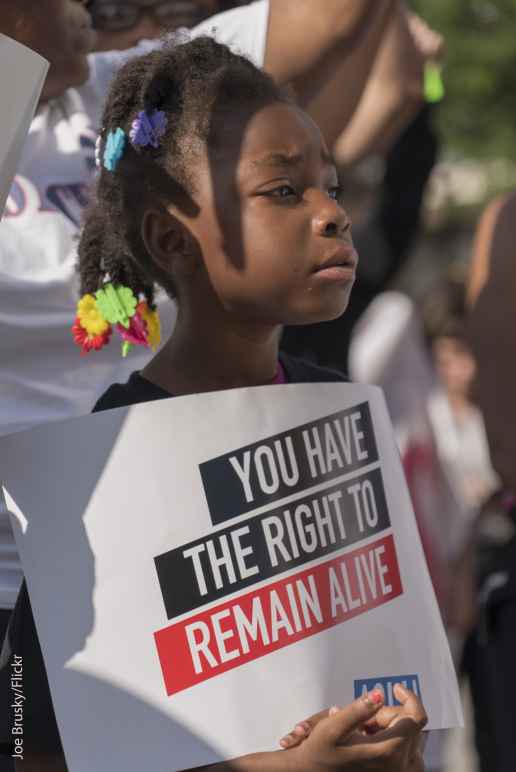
(289, 160)
(279, 159)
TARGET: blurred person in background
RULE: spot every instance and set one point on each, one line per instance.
(486, 595)
(419, 354)
(122, 24)
(317, 48)
(460, 432)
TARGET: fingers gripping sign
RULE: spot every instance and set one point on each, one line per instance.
(322, 749)
(401, 728)
(365, 732)
(362, 711)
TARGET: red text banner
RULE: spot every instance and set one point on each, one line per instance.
(277, 615)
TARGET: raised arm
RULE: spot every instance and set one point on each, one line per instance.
(326, 49)
(494, 238)
(393, 95)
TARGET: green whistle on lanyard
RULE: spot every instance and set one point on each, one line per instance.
(433, 83)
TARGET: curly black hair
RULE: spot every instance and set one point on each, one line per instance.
(196, 84)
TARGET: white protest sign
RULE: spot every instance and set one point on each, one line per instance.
(207, 571)
(23, 74)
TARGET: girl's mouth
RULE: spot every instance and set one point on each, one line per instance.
(339, 266)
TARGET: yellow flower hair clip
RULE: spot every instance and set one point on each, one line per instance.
(115, 307)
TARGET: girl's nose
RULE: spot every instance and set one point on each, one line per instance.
(332, 220)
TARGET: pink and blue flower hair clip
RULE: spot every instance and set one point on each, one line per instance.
(114, 149)
(148, 128)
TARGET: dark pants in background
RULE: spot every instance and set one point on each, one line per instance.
(490, 664)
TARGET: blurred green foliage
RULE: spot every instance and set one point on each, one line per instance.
(477, 118)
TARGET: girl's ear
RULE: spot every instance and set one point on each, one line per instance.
(169, 242)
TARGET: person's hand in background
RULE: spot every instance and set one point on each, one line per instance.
(430, 43)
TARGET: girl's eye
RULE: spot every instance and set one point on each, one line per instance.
(335, 193)
(284, 191)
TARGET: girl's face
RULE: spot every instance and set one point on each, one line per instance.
(275, 241)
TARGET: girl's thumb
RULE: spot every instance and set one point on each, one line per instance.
(343, 721)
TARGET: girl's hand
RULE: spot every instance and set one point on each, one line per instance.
(304, 728)
(370, 734)
(383, 718)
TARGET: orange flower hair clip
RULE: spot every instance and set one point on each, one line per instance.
(115, 307)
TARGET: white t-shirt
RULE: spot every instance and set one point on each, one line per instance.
(43, 377)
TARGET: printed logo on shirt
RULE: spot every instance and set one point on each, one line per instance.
(70, 199)
(22, 196)
(386, 684)
(88, 145)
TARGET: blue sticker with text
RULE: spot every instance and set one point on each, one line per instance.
(386, 685)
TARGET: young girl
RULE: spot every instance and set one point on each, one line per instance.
(214, 186)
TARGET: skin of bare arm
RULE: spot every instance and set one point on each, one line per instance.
(493, 236)
(391, 98)
(326, 50)
(492, 331)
